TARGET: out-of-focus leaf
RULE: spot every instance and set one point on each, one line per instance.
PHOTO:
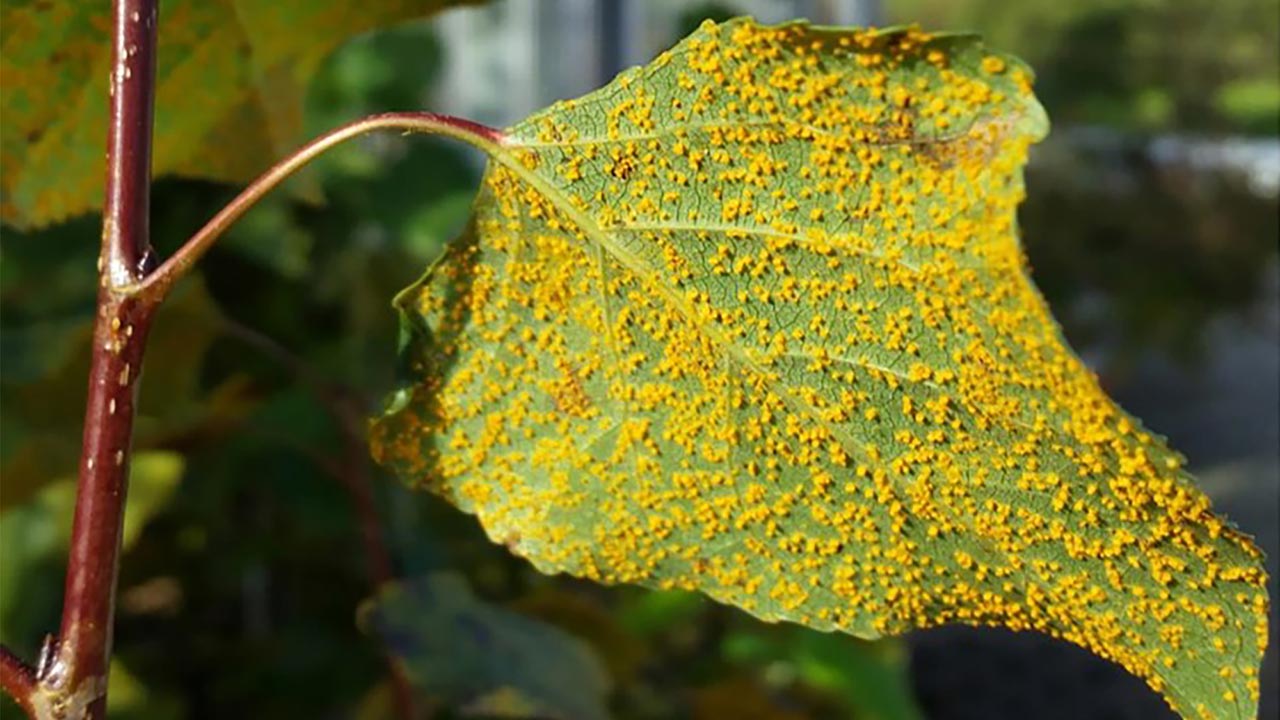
(43, 409)
(1254, 103)
(30, 353)
(620, 650)
(392, 67)
(37, 533)
(231, 78)
(654, 611)
(270, 237)
(470, 654)
(869, 678)
(741, 698)
(153, 478)
(754, 320)
(377, 704)
(427, 230)
(506, 702)
(31, 459)
(128, 698)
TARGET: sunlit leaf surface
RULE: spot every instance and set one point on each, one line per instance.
(754, 320)
(231, 77)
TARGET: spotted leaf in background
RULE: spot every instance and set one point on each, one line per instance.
(231, 76)
(754, 320)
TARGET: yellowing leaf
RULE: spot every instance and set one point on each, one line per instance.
(231, 77)
(754, 320)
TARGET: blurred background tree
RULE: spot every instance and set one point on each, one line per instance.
(1151, 224)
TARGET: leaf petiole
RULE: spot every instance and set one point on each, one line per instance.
(155, 286)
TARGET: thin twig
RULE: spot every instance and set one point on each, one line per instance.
(18, 679)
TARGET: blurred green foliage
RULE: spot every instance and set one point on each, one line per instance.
(1137, 258)
(1189, 65)
(1135, 255)
(472, 654)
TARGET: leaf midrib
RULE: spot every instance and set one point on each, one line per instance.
(783, 125)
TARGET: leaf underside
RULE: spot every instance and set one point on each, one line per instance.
(230, 82)
(754, 320)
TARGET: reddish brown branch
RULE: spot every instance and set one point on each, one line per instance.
(78, 670)
(18, 679)
(126, 240)
(74, 681)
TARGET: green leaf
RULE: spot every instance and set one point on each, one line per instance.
(471, 654)
(128, 697)
(870, 678)
(742, 698)
(754, 320)
(36, 533)
(230, 81)
(42, 403)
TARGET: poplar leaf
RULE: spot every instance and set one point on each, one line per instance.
(754, 320)
(231, 76)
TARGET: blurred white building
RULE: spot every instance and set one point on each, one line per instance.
(506, 59)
